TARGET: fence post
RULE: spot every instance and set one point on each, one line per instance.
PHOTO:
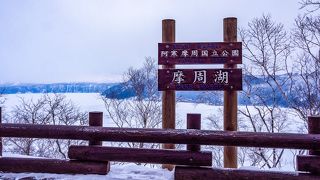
(95, 119)
(314, 128)
(168, 97)
(230, 97)
(193, 122)
(310, 163)
(0, 137)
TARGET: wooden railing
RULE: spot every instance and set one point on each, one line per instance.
(197, 164)
(177, 136)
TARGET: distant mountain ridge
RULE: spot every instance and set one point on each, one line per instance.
(123, 92)
(83, 87)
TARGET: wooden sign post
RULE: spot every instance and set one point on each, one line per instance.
(200, 53)
(168, 96)
(228, 79)
(230, 106)
(170, 54)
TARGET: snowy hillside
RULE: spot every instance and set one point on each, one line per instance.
(55, 88)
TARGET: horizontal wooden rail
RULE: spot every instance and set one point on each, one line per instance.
(309, 164)
(154, 156)
(178, 136)
(202, 173)
(38, 165)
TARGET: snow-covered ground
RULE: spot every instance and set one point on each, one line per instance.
(92, 102)
(117, 172)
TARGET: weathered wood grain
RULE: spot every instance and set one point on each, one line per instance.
(38, 165)
(177, 136)
(202, 173)
(141, 155)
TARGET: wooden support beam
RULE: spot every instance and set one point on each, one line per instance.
(37, 165)
(230, 100)
(309, 163)
(168, 97)
(177, 136)
(95, 119)
(193, 122)
(314, 128)
(203, 173)
(154, 156)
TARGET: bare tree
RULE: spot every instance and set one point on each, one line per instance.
(313, 4)
(266, 52)
(63, 112)
(2, 99)
(27, 112)
(215, 123)
(292, 84)
(143, 110)
(48, 109)
(306, 90)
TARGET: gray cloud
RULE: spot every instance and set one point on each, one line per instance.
(77, 40)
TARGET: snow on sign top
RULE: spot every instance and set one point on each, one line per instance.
(200, 53)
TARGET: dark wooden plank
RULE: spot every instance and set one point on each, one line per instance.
(314, 128)
(200, 53)
(38, 165)
(193, 122)
(202, 173)
(168, 97)
(309, 164)
(212, 79)
(177, 136)
(95, 119)
(154, 156)
(230, 98)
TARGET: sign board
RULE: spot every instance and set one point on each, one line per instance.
(199, 79)
(200, 53)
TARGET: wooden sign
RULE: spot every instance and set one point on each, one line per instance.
(200, 53)
(199, 79)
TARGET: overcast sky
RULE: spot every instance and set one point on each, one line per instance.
(44, 41)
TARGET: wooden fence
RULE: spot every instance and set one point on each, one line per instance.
(192, 163)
